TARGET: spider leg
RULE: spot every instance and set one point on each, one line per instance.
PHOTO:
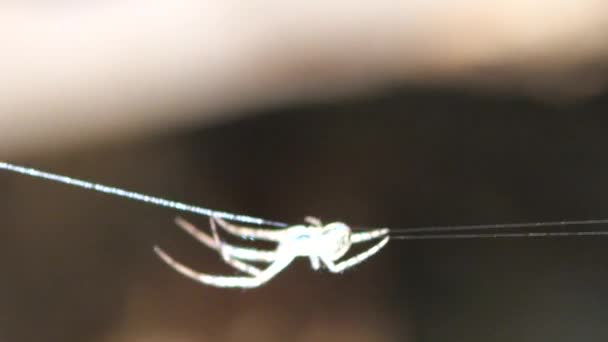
(341, 266)
(368, 235)
(250, 233)
(313, 221)
(229, 258)
(215, 243)
(242, 266)
(315, 263)
(227, 281)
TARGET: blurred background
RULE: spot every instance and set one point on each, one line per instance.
(382, 114)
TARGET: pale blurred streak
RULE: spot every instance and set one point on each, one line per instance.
(83, 72)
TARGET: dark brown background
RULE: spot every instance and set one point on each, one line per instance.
(79, 266)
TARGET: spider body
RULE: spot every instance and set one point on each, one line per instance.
(331, 241)
(324, 245)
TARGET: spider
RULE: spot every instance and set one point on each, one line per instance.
(322, 244)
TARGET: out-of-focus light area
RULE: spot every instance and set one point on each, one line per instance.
(378, 113)
(88, 71)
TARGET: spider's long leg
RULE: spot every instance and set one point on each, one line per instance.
(341, 266)
(228, 258)
(250, 233)
(368, 235)
(229, 253)
(313, 221)
(226, 281)
(242, 266)
(224, 248)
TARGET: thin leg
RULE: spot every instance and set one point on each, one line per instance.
(314, 221)
(243, 266)
(251, 254)
(369, 235)
(250, 233)
(341, 266)
(315, 263)
(199, 235)
(224, 281)
(226, 255)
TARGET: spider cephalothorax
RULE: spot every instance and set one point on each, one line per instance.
(336, 240)
(321, 244)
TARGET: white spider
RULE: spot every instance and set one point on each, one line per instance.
(323, 245)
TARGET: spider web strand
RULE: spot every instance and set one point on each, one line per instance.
(161, 202)
(499, 235)
(500, 226)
